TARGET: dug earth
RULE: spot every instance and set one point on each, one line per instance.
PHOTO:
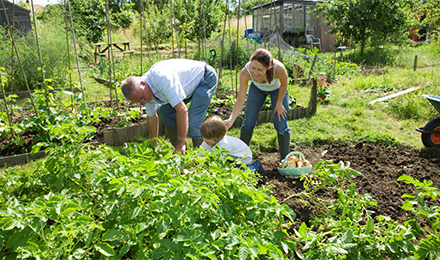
(379, 166)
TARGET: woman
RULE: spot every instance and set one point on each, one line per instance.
(268, 76)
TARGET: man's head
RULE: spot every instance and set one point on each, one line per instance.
(213, 130)
(136, 90)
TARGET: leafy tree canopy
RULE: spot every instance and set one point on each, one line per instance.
(193, 17)
(425, 12)
(360, 20)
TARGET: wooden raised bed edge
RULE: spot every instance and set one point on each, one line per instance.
(20, 158)
(119, 136)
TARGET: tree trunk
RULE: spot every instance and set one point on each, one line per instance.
(362, 47)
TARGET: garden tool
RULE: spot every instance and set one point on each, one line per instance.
(246, 135)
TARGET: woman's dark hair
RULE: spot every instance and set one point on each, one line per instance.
(264, 57)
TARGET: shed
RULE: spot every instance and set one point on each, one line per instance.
(294, 20)
(21, 16)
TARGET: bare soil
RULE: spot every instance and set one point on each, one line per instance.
(380, 167)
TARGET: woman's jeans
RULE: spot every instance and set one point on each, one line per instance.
(200, 100)
(254, 103)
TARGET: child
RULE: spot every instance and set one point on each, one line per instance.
(213, 131)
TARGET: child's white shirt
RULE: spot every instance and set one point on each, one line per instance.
(237, 149)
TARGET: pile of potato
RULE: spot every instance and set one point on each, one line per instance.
(294, 162)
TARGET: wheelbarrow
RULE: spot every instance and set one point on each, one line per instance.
(431, 131)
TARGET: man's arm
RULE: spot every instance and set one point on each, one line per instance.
(153, 126)
(182, 126)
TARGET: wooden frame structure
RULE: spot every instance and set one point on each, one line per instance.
(294, 20)
(18, 14)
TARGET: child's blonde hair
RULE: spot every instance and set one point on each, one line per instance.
(213, 128)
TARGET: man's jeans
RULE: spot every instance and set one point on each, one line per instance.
(200, 100)
(254, 103)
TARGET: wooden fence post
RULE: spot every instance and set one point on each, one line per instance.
(415, 62)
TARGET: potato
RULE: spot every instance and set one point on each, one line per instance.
(293, 164)
(293, 158)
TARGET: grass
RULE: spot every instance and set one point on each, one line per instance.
(346, 115)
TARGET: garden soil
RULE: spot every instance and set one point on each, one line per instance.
(379, 166)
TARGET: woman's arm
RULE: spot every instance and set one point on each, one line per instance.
(281, 74)
(241, 97)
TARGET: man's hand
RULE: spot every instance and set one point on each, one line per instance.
(180, 150)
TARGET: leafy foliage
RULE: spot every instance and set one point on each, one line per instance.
(194, 18)
(347, 230)
(363, 20)
(52, 122)
(53, 51)
(429, 246)
(158, 28)
(139, 201)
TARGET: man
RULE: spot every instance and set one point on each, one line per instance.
(166, 88)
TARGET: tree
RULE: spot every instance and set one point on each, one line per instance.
(158, 28)
(360, 20)
(424, 13)
(89, 17)
(189, 17)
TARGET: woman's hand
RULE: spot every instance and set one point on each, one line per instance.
(228, 123)
(282, 113)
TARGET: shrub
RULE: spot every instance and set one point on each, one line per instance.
(54, 55)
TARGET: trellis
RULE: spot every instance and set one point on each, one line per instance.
(110, 57)
(119, 136)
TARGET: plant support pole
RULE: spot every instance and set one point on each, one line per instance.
(415, 62)
(68, 52)
(236, 54)
(19, 60)
(39, 54)
(146, 38)
(76, 52)
(223, 42)
(172, 26)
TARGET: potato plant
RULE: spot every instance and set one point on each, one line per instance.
(347, 229)
(52, 117)
(139, 202)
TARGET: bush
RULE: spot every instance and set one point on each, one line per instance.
(230, 53)
(53, 50)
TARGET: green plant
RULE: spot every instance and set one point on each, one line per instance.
(346, 228)
(363, 22)
(139, 201)
(322, 88)
(53, 51)
(429, 246)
